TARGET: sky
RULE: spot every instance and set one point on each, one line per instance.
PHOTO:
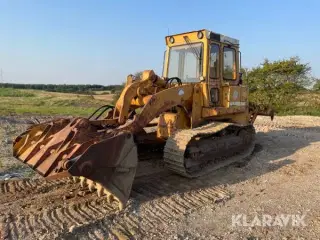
(102, 41)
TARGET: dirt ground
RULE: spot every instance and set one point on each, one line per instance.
(280, 179)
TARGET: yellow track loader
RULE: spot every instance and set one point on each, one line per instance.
(198, 110)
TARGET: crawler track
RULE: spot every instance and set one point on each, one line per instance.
(221, 150)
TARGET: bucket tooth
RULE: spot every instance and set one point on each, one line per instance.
(83, 182)
(109, 195)
(121, 206)
(110, 198)
(91, 185)
(99, 189)
(75, 179)
(106, 192)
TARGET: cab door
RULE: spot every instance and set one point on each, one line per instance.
(214, 76)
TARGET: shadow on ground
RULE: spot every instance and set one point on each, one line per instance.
(272, 152)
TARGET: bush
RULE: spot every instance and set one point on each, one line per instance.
(278, 83)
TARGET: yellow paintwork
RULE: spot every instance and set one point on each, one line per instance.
(197, 104)
(152, 93)
(170, 122)
(192, 36)
(234, 96)
(179, 40)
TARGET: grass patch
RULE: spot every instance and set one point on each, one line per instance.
(36, 102)
(48, 110)
(10, 92)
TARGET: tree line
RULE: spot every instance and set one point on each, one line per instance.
(65, 88)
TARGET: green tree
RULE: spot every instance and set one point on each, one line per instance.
(277, 83)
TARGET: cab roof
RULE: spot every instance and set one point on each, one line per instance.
(213, 36)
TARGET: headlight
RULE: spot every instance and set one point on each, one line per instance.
(171, 39)
(200, 35)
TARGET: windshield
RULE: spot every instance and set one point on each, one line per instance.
(184, 62)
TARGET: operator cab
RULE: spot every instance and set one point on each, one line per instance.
(202, 55)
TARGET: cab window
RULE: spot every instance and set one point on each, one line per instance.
(214, 61)
(229, 63)
(185, 62)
